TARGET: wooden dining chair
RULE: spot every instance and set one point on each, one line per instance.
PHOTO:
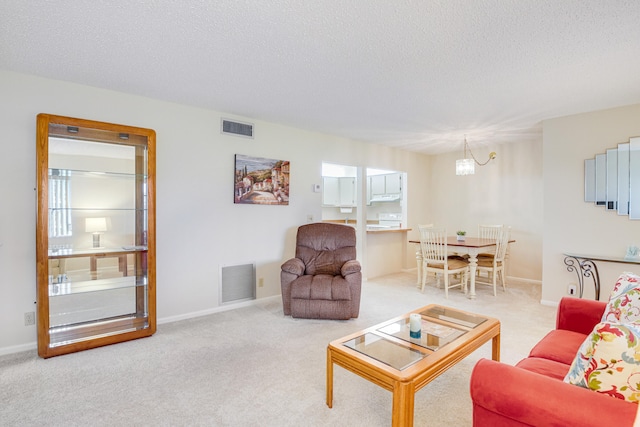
(419, 258)
(494, 265)
(435, 259)
(492, 232)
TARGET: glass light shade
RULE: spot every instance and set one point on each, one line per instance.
(95, 225)
(465, 167)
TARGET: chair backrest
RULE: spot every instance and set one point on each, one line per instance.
(502, 244)
(325, 247)
(492, 232)
(433, 243)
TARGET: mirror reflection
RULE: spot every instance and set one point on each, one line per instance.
(612, 179)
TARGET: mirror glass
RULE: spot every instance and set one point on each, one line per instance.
(634, 178)
(601, 179)
(590, 180)
(612, 179)
(623, 179)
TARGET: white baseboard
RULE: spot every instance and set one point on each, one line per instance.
(523, 281)
(18, 348)
(549, 303)
(219, 309)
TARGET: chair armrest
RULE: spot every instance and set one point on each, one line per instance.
(350, 267)
(293, 266)
(579, 315)
(536, 400)
(290, 271)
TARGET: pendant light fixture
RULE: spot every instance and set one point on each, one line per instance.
(466, 166)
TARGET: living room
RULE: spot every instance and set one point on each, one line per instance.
(535, 186)
(195, 206)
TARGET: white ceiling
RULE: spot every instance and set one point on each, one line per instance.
(416, 75)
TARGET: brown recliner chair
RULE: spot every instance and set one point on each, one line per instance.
(324, 280)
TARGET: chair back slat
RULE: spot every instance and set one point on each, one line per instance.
(492, 232)
(502, 244)
(433, 243)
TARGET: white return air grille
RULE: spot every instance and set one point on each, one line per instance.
(237, 283)
(237, 128)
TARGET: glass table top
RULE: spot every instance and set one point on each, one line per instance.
(440, 326)
(388, 352)
(453, 316)
(433, 335)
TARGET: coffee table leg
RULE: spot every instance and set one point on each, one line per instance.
(403, 398)
(495, 348)
(329, 379)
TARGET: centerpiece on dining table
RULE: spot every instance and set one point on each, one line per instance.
(460, 235)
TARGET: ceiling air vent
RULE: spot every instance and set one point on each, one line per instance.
(237, 128)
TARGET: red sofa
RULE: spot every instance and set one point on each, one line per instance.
(533, 393)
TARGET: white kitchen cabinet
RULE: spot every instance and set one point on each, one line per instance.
(393, 183)
(384, 188)
(339, 191)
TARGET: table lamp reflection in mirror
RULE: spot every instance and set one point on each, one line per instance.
(97, 226)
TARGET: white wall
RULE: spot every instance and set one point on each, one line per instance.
(572, 225)
(199, 228)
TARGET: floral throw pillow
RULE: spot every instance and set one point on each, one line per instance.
(624, 301)
(608, 361)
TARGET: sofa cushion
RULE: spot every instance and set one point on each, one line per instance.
(546, 367)
(624, 300)
(608, 361)
(321, 287)
(504, 395)
(559, 345)
(321, 262)
(321, 309)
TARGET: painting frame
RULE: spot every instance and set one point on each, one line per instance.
(261, 181)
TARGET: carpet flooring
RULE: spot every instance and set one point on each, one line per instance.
(253, 366)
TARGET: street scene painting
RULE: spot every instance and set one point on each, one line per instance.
(261, 181)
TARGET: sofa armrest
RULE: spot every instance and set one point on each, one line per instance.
(579, 315)
(290, 271)
(294, 266)
(350, 267)
(523, 397)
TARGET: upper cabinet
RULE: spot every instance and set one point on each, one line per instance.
(384, 188)
(339, 191)
(95, 234)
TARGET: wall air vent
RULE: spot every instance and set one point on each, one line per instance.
(237, 128)
(237, 283)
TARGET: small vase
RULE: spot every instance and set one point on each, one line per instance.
(460, 238)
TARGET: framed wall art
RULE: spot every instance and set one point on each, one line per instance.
(260, 181)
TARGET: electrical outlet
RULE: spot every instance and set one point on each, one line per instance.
(29, 318)
(571, 289)
(261, 282)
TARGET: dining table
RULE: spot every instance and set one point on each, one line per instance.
(471, 246)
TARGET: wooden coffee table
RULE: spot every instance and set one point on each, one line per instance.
(386, 355)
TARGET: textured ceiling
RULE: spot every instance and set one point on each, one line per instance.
(416, 75)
